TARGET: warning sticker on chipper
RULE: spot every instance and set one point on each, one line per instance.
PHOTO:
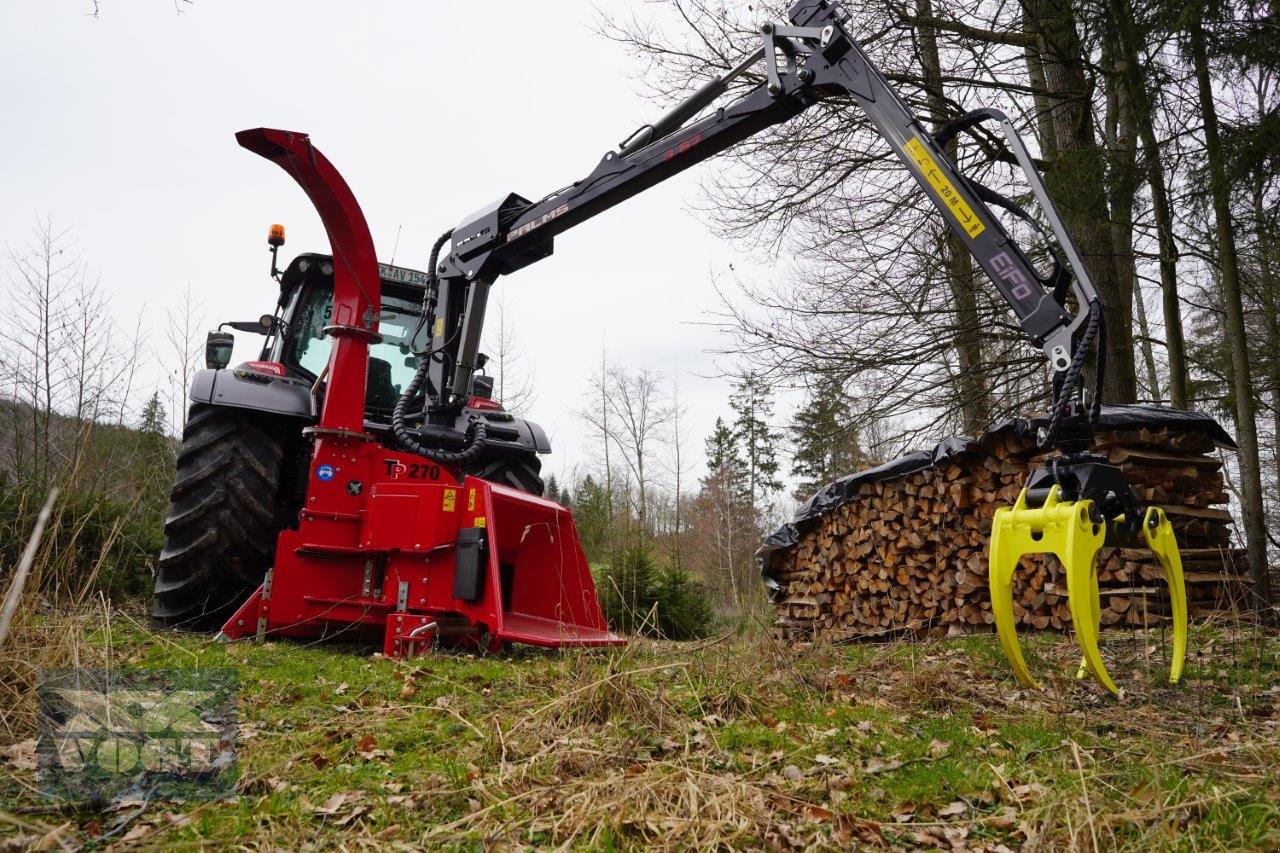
(450, 499)
(951, 198)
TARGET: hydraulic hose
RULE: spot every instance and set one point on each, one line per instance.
(478, 432)
(1072, 377)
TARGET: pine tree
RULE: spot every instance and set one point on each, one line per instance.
(757, 438)
(724, 457)
(157, 458)
(723, 519)
(551, 491)
(826, 441)
(592, 515)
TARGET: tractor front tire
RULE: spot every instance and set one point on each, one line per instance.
(518, 469)
(221, 527)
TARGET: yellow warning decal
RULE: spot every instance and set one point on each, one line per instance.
(438, 331)
(450, 499)
(479, 521)
(471, 500)
(950, 196)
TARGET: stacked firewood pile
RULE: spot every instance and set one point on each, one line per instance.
(908, 553)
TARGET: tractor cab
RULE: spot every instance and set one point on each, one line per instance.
(305, 308)
(286, 382)
(295, 352)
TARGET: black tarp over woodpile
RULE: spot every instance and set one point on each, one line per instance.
(902, 546)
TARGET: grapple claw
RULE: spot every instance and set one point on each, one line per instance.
(1006, 547)
(1158, 532)
(1068, 530)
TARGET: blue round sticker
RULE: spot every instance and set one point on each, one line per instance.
(324, 472)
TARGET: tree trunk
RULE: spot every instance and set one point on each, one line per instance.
(1144, 331)
(1121, 139)
(1128, 40)
(1076, 180)
(971, 390)
(1270, 299)
(1042, 102)
(1242, 383)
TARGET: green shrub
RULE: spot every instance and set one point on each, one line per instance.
(86, 531)
(639, 597)
(684, 613)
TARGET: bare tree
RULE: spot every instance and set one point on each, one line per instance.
(640, 416)
(677, 468)
(40, 275)
(183, 322)
(596, 415)
(514, 385)
(68, 368)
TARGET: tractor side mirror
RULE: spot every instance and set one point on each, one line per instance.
(217, 350)
(264, 325)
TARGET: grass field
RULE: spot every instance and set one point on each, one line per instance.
(734, 742)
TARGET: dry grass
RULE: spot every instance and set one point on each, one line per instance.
(57, 613)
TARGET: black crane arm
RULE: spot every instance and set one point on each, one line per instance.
(812, 58)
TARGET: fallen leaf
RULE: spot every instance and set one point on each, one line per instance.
(816, 813)
(22, 755)
(366, 745)
(331, 805)
(138, 831)
(939, 748)
(954, 809)
(880, 765)
(792, 772)
(350, 816)
(1144, 791)
(1022, 793)
(340, 689)
(825, 759)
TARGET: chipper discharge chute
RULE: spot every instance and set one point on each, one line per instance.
(395, 543)
(393, 537)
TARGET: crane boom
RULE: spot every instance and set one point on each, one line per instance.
(1069, 507)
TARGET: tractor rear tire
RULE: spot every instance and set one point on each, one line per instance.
(221, 527)
(517, 469)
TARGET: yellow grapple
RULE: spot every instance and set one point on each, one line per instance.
(1074, 531)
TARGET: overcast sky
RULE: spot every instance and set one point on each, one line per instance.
(123, 128)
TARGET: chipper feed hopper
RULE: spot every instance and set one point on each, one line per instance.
(416, 555)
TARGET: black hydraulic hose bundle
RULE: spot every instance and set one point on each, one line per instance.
(479, 430)
(1094, 329)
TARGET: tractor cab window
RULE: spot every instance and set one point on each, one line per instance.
(391, 360)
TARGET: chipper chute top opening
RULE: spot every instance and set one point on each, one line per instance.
(381, 490)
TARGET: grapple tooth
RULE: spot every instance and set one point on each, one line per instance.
(1158, 532)
(1083, 538)
(1006, 548)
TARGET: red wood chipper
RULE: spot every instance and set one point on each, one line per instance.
(390, 542)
